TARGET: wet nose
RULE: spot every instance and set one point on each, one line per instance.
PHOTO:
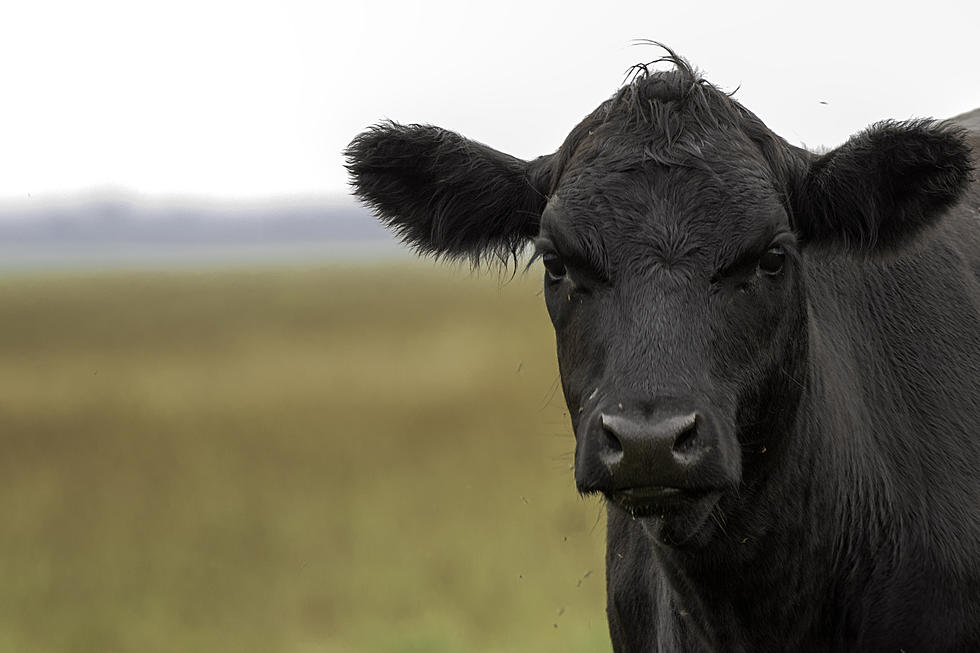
(661, 449)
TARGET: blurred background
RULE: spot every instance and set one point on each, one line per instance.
(235, 415)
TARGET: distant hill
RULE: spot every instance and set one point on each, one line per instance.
(124, 230)
(124, 220)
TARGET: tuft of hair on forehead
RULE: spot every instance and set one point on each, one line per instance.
(673, 104)
(670, 117)
(645, 85)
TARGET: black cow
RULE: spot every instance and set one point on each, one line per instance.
(771, 357)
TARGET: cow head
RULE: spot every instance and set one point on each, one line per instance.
(673, 227)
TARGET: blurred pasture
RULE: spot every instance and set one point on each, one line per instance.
(347, 458)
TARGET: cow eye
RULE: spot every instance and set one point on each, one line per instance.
(772, 261)
(553, 265)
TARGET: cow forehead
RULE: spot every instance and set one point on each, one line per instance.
(630, 202)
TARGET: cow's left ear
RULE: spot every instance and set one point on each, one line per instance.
(881, 188)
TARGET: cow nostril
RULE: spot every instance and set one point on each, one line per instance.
(613, 444)
(684, 442)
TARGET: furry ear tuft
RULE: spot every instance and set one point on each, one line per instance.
(881, 188)
(446, 195)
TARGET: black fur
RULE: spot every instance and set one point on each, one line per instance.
(447, 195)
(884, 185)
(770, 358)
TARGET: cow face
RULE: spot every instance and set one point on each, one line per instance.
(676, 296)
(674, 229)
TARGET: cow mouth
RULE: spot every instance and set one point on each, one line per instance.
(654, 500)
(678, 517)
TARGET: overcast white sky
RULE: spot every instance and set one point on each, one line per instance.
(244, 100)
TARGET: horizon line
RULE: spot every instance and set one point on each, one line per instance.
(124, 195)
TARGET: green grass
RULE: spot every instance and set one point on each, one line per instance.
(343, 459)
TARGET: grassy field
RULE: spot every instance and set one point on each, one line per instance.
(340, 459)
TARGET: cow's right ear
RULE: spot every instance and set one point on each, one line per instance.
(447, 195)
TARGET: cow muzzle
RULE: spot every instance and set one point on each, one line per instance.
(649, 457)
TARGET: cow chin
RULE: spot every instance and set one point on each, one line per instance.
(679, 520)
